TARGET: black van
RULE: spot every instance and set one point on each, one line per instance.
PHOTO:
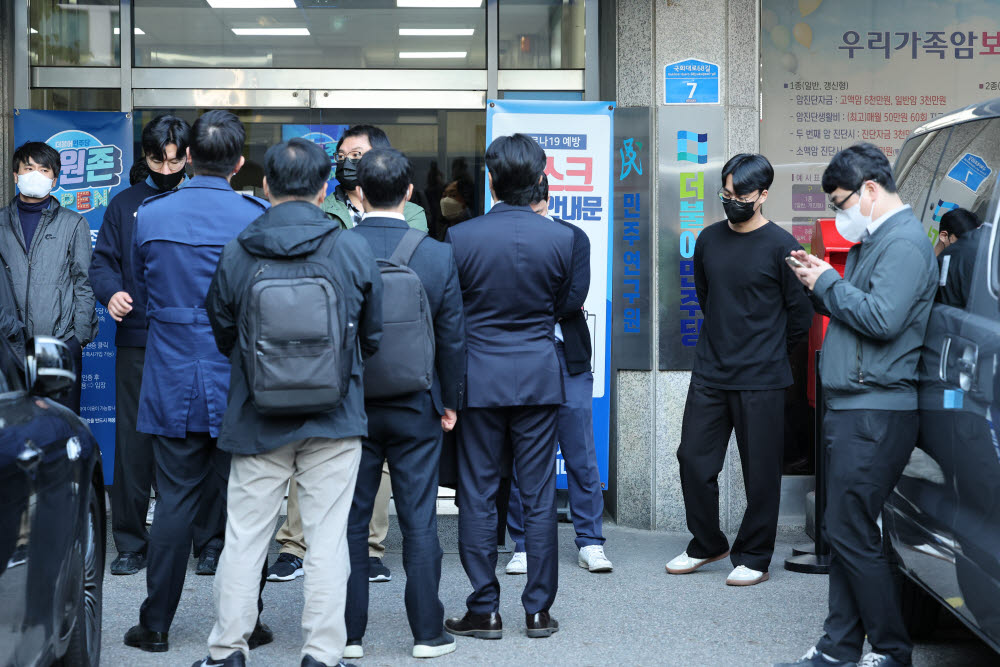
(943, 519)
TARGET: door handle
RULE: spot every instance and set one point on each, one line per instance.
(959, 368)
(29, 457)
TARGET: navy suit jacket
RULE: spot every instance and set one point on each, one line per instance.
(515, 271)
(576, 333)
(435, 266)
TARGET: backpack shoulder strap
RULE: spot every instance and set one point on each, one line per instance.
(407, 246)
(325, 248)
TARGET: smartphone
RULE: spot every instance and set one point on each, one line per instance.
(794, 263)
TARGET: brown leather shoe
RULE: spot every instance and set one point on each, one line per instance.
(541, 624)
(480, 626)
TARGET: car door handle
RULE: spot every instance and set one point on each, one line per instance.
(958, 366)
(29, 457)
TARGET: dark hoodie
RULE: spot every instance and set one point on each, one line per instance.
(293, 229)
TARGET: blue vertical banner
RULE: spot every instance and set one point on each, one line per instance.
(95, 149)
(577, 138)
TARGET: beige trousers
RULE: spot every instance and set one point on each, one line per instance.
(325, 470)
(293, 542)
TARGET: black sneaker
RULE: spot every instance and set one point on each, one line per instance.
(309, 661)
(260, 636)
(234, 659)
(286, 568)
(434, 648)
(816, 658)
(208, 562)
(128, 562)
(377, 571)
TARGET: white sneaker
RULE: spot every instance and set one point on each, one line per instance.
(744, 576)
(354, 651)
(592, 558)
(684, 564)
(518, 563)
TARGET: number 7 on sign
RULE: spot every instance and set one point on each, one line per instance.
(694, 87)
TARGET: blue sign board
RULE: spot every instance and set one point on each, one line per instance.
(324, 135)
(691, 82)
(970, 171)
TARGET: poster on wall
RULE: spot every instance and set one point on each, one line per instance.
(95, 149)
(324, 135)
(838, 73)
(577, 139)
(692, 145)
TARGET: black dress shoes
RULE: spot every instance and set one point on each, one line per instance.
(309, 661)
(541, 624)
(480, 626)
(261, 635)
(147, 640)
(208, 562)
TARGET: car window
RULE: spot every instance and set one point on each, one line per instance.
(915, 168)
(11, 370)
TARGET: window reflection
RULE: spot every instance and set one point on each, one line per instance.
(314, 34)
(542, 34)
(76, 99)
(74, 33)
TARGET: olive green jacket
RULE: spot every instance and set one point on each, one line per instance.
(338, 210)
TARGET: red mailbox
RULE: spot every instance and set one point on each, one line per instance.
(832, 247)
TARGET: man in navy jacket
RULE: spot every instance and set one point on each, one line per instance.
(164, 144)
(515, 273)
(406, 430)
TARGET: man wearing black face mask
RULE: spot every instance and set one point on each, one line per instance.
(755, 310)
(164, 143)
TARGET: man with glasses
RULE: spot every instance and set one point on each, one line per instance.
(345, 206)
(754, 312)
(878, 314)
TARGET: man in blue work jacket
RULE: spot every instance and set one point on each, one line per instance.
(179, 237)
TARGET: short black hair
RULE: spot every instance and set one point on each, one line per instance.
(541, 191)
(296, 168)
(376, 136)
(217, 143)
(39, 151)
(162, 130)
(515, 162)
(852, 167)
(958, 221)
(384, 175)
(752, 172)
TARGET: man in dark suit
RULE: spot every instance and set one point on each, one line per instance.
(576, 416)
(406, 430)
(514, 272)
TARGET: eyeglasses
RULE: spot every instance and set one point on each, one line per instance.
(838, 206)
(354, 155)
(743, 200)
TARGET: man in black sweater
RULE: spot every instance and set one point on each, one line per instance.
(164, 142)
(755, 310)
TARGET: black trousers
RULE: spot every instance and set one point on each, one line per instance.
(71, 399)
(867, 451)
(710, 415)
(409, 438)
(134, 464)
(483, 436)
(190, 472)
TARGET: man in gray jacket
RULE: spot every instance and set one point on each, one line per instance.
(46, 251)
(878, 314)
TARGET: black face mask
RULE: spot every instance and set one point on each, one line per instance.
(167, 181)
(738, 211)
(347, 173)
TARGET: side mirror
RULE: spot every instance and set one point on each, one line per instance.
(48, 367)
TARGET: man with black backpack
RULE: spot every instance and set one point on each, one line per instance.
(413, 388)
(296, 304)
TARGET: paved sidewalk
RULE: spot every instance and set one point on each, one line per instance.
(637, 615)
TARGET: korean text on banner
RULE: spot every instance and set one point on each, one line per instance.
(95, 149)
(577, 138)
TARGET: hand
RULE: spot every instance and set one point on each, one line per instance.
(120, 305)
(813, 269)
(448, 420)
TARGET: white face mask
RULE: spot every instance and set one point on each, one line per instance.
(851, 224)
(34, 184)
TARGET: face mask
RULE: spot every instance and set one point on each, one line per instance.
(34, 184)
(738, 211)
(166, 181)
(851, 224)
(347, 173)
(451, 207)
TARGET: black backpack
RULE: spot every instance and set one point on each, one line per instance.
(297, 343)
(404, 363)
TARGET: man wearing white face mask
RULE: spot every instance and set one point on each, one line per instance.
(878, 313)
(46, 251)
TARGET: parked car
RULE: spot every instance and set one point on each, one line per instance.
(52, 515)
(943, 519)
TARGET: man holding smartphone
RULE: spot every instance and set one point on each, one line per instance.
(755, 310)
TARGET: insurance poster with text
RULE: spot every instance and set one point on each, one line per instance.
(577, 140)
(835, 73)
